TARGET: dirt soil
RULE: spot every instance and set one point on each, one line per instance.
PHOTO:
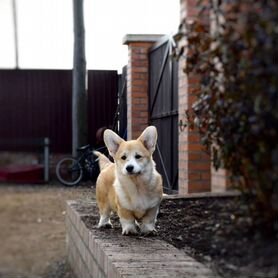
(219, 233)
(32, 230)
(216, 232)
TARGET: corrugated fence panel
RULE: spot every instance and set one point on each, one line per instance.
(37, 104)
(102, 100)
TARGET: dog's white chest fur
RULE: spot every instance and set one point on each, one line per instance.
(135, 199)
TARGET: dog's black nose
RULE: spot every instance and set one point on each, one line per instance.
(129, 168)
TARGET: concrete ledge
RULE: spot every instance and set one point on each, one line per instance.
(106, 253)
(225, 194)
(129, 38)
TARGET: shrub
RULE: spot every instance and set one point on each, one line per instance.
(236, 110)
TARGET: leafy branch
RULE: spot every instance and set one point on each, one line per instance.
(236, 110)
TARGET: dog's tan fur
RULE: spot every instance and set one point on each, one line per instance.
(134, 195)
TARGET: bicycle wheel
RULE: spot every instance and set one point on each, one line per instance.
(69, 171)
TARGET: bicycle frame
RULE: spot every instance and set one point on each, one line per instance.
(71, 170)
(86, 154)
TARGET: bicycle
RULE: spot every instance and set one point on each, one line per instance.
(70, 171)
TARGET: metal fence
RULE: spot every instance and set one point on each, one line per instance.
(37, 104)
(102, 100)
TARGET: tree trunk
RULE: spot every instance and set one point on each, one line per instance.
(79, 93)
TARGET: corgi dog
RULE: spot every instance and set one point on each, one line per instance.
(130, 186)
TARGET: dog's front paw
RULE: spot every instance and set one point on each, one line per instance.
(129, 229)
(104, 222)
(105, 226)
(148, 229)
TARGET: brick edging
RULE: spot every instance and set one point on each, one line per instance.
(225, 194)
(96, 254)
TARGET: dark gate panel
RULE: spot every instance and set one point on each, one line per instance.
(102, 100)
(120, 123)
(163, 109)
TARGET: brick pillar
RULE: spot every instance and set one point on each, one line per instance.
(137, 82)
(220, 180)
(194, 162)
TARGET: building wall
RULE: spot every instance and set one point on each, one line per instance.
(196, 172)
(194, 161)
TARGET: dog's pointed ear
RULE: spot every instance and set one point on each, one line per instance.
(149, 138)
(112, 141)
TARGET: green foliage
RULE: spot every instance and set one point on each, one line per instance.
(237, 107)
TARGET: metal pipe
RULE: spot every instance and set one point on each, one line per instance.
(46, 159)
(14, 10)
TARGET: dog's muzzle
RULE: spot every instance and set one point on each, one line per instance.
(130, 170)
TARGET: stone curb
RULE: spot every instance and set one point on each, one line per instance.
(226, 194)
(98, 254)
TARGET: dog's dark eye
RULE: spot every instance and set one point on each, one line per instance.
(123, 157)
(138, 156)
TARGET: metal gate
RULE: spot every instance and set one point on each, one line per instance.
(163, 110)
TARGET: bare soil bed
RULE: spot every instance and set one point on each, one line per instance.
(32, 229)
(215, 231)
(219, 232)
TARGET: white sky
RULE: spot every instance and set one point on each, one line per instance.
(45, 30)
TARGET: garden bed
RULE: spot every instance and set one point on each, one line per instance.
(106, 253)
(215, 231)
(219, 232)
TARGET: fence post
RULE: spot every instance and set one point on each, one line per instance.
(46, 159)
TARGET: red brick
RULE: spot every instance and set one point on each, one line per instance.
(140, 51)
(195, 147)
(196, 187)
(193, 138)
(139, 94)
(206, 176)
(195, 156)
(143, 87)
(139, 76)
(194, 176)
(141, 44)
(138, 101)
(201, 166)
(137, 57)
(139, 82)
(139, 69)
(140, 63)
